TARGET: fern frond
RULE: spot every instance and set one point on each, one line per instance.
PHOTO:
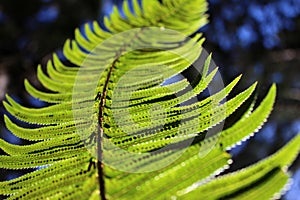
(270, 173)
(115, 130)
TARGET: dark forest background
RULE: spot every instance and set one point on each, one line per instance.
(258, 38)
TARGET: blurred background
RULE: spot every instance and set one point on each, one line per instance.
(258, 38)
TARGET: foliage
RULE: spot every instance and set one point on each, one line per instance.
(72, 148)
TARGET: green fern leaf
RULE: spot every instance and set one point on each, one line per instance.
(115, 129)
(269, 174)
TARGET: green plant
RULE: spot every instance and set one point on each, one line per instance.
(112, 117)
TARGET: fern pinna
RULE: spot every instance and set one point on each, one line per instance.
(116, 129)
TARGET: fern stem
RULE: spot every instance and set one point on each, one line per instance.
(100, 164)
